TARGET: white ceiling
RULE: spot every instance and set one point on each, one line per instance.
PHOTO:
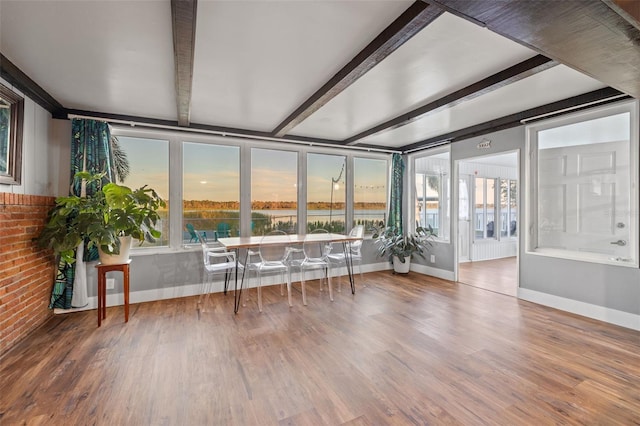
(257, 61)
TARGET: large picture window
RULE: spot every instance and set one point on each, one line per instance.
(227, 187)
(326, 195)
(211, 191)
(274, 191)
(370, 177)
(584, 201)
(432, 193)
(150, 170)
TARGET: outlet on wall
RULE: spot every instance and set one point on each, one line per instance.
(111, 282)
(433, 258)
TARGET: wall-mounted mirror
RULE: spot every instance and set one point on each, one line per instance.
(11, 121)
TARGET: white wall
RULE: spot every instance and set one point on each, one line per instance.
(43, 150)
(605, 292)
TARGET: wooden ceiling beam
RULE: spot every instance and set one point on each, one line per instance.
(183, 19)
(588, 36)
(412, 21)
(507, 76)
(26, 85)
(554, 109)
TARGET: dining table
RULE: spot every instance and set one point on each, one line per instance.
(252, 242)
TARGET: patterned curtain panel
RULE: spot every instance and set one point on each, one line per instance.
(90, 151)
(395, 202)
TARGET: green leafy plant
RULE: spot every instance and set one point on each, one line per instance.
(113, 211)
(391, 242)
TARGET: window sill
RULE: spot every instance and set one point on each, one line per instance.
(584, 257)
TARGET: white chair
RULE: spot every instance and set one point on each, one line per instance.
(217, 260)
(315, 252)
(355, 250)
(273, 258)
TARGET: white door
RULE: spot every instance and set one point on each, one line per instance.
(464, 218)
(581, 206)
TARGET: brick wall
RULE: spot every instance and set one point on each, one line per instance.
(26, 272)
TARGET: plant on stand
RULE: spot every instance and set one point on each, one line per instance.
(400, 247)
(108, 219)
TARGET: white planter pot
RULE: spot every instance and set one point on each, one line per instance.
(114, 259)
(399, 267)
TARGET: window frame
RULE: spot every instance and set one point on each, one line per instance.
(13, 175)
(443, 206)
(531, 187)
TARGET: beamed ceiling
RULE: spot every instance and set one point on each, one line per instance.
(392, 75)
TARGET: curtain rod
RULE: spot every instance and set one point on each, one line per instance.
(599, 101)
(231, 134)
(433, 145)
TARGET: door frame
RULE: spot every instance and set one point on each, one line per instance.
(455, 205)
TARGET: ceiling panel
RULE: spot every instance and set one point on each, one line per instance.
(107, 56)
(255, 62)
(432, 64)
(552, 85)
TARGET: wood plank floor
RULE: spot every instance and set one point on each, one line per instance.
(499, 275)
(404, 350)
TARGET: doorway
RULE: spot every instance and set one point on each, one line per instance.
(487, 226)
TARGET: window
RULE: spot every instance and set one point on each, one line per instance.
(508, 210)
(150, 170)
(432, 193)
(211, 191)
(223, 185)
(584, 175)
(484, 209)
(11, 123)
(370, 178)
(326, 195)
(274, 191)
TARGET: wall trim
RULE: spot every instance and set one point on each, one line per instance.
(434, 272)
(117, 299)
(601, 313)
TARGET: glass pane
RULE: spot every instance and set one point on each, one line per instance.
(369, 192)
(326, 195)
(151, 170)
(274, 191)
(432, 214)
(504, 207)
(584, 188)
(491, 208)
(435, 193)
(478, 213)
(420, 202)
(513, 208)
(5, 123)
(211, 191)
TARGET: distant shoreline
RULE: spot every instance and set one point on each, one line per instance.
(276, 205)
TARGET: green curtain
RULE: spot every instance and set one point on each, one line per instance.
(395, 201)
(90, 151)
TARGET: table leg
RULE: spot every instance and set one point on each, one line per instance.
(346, 246)
(238, 294)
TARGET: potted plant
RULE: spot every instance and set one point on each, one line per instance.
(399, 247)
(108, 219)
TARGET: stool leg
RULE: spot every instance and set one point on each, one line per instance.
(100, 282)
(126, 293)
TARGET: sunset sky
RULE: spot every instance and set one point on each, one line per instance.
(211, 172)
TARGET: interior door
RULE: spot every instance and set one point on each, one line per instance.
(464, 218)
(580, 207)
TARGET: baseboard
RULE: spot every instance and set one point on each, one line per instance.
(434, 272)
(177, 291)
(612, 316)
